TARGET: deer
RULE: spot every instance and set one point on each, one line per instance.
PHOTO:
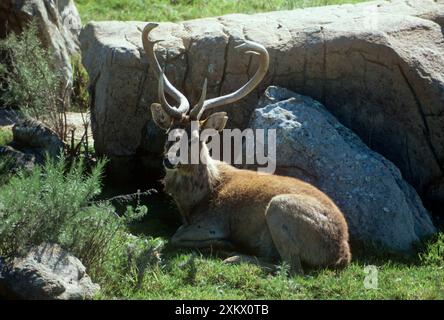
(263, 218)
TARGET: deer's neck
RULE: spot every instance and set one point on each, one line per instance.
(191, 184)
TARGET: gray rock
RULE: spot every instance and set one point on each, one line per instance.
(32, 142)
(377, 66)
(47, 272)
(59, 26)
(17, 160)
(380, 207)
(8, 117)
(32, 134)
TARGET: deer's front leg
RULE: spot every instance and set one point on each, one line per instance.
(238, 258)
(202, 235)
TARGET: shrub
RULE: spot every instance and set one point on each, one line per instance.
(39, 206)
(56, 203)
(30, 82)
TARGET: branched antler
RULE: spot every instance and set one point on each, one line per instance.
(203, 104)
(148, 46)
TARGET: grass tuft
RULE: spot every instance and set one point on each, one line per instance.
(5, 135)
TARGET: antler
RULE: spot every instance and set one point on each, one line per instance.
(253, 48)
(184, 105)
(202, 105)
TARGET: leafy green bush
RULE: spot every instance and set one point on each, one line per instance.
(56, 203)
(40, 205)
(29, 80)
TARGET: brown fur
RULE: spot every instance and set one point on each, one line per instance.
(265, 215)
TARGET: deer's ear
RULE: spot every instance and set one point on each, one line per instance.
(216, 121)
(160, 117)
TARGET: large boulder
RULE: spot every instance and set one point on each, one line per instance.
(380, 207)
(58, 23)
(32, 143)
(46, 272)
(32, 134)
(376, 66)
(15, 160)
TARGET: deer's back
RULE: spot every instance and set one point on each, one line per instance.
(245, 195)
(249, 188)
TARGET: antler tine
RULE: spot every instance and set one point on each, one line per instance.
(264, 60)
(195, 112)
(148, 46)
(161, 93)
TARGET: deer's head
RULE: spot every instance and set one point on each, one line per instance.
(180, 115)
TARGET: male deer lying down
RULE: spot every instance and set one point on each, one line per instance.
(264, 215)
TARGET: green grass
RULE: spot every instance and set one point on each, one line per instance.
(5, 135)
(214, 280)
(177, 10)
(191, 275)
